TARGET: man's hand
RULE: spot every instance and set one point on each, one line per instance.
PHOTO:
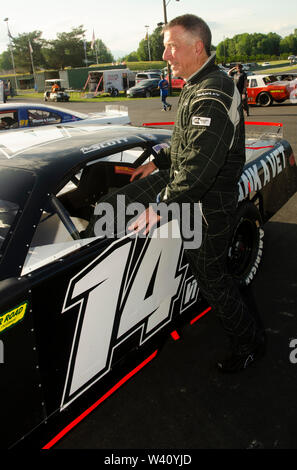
(146, 221)
(143, 171)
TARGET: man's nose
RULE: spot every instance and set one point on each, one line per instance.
(166, 54)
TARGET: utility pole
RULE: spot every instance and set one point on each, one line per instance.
(148, 42)
(11, 52)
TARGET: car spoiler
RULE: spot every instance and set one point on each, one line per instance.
(254, 129)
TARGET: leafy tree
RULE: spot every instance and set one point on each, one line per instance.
(289, 44)
(21, 50)
(142, 51)
(66, 50)
(5, 61)
(103, 53)
(156, 44)
(132, 57)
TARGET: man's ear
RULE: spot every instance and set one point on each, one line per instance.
(199, 46)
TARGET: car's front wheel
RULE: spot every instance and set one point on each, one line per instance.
(246, 247)
(148, 94)
(264, 99)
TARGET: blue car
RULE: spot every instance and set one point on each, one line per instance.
(16, 115)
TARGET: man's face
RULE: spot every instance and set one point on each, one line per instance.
(181, 51)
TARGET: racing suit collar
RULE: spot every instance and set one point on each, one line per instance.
(210, 61)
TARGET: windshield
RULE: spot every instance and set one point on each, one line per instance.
(146, 82)
(270, 79)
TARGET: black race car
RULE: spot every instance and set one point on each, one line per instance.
(78, 314)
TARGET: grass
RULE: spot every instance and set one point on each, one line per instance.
(77, 97)
(277, 69)
(285, 67)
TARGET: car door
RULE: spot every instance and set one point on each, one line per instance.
(95, 301)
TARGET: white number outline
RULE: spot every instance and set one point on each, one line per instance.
(126, 283)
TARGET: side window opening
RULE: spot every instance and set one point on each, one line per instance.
(38, 117)
(61, 227)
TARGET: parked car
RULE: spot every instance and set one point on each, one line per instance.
(265, 64)
(263, 90)
(144, 88)
(34, 114)
(176, 82)
(146, 75)
(81, 315)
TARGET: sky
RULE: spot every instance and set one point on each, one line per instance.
(121, 25)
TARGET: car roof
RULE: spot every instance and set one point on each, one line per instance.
(54, 150)
(14, 105)
(262, 75)
(54, 80)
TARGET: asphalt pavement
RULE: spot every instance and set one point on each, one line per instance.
(180, 401)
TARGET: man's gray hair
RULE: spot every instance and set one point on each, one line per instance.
(194, 25)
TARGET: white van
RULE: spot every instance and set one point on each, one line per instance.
(146, 75)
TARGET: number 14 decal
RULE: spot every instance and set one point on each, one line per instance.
(119, 293)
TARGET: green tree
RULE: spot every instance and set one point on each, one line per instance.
(5, 61)
(142, 51)
(132, 57)
(103, 53)
(66, 50)
(21, 50)
(156, 44)
(288, 44)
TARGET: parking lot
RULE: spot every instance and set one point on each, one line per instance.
(179, 401)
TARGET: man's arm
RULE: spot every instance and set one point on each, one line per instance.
(208, 139)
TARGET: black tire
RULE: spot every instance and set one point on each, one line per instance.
(115, 92)
(264, 99)
(148, 94)
(246, 248)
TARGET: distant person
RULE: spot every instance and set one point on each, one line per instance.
(240, 79)
(163, 85)
(55, 87)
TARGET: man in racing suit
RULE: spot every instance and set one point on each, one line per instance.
(205, 162)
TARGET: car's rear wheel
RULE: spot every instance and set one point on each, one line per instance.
(148, 94)
(264, 99)
(246, 247)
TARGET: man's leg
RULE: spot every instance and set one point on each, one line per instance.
(209, 265)
(163, 98)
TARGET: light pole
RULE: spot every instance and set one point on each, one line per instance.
(165, 9)
(165, 22)
(148, 42)
(11, 52)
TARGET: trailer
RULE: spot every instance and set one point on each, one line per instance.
(108, 81)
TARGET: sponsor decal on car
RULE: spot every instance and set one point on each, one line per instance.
(270, 166)
(12, 316)
(103, 145)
